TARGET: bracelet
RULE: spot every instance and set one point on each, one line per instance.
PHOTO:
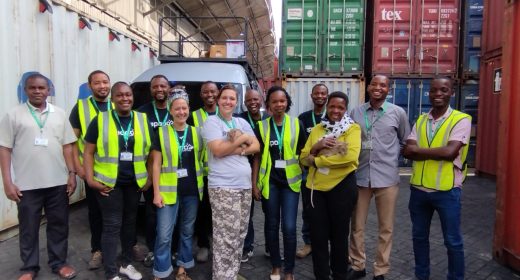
(72, 172)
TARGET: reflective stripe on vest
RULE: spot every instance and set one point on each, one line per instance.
(106, 158)
(437, 174)
(170, 158)
(86, 112)
(199, 117)
(290, 142)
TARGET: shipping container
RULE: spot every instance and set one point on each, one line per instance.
(492, 40)
(472, 37)
(412, 96)
(300, 90)
(487, 127)
(55, 46)
(418, 38)
(322, 38)
(469, 99)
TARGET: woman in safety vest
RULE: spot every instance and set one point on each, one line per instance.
(177, 185)
(277, 177)
(115, 160)
(332, 152)
(229, 141)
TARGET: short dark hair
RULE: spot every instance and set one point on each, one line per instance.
(229, 87)
(96, 72)
(279, 88)
(37, 76)
(208, 82)
(338, 94)
(320, 85)
(160, 76)
(381, 75)
(117, 85)
(440, 77)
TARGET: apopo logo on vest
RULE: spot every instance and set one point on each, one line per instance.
(273, 143)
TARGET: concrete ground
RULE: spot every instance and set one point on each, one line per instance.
(478, 216)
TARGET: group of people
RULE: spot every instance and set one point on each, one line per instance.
(203, 170)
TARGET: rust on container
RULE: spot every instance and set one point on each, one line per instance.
(506, 243)
(492, 28)
(487, 128)
(416, 37)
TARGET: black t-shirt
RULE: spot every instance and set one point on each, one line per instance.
(152, 118)
(308, 123)
(125, 172)
(189, 121)
(187, 185)
(278, 175)
(74, 114)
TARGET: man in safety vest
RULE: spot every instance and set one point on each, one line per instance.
(438, 146)
(80, 117)
(203, 225)
(115, 160)
(158, 116)
(310, 119)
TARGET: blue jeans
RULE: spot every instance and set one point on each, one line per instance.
(166, 217)
(447, 204)
(282, 202)
(188, 206)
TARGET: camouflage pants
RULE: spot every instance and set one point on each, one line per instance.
(230, 212)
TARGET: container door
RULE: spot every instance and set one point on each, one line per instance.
(472, 37)
(469, 100)
(437, 37)
(343, 40)
(401, 95)
(300, 41)
(392, 36)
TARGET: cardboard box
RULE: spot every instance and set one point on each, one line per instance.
(217, 51)
(235, 48)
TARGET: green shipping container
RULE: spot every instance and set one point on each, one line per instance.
(322, 37)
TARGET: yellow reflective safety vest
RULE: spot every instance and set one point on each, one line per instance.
(86, 113)
(199, 117)
(290, 142)
(437, 174)
(106, 158)
(170, 158)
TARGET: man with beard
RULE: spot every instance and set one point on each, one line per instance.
(253, 102)
(158, 115)
(80, 117)
(208, 94)
(384, 128)
(309, 119)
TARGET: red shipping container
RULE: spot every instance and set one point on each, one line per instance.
(492, 26)
(416, 37)
(487, 129)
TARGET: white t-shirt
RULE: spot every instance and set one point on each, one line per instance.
(33, 166)
(232, 171)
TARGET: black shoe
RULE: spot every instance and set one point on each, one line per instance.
(379, 277)
(356, 274)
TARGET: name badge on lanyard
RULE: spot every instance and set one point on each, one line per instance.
(126, 156)
(41, 141)
(366, 145)
(181, 173)
(280, 163)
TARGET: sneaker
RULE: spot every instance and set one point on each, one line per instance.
(182, 276)
(304, 251)
(139, 253)
(130, 272)
(148, 260)
(246, 255)
(95, 261)
(202, 255)
(115, 278)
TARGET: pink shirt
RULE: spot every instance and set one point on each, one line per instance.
(460, 132)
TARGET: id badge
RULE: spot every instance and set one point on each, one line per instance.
(40, 141)
(181, 173)
(126, 156)
(366, 145)
(280, 163)
(324, 170)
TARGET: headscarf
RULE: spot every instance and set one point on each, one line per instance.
(337, 128)
(178, 93)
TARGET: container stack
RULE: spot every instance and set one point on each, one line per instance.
(322, 42)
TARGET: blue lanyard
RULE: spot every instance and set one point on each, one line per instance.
(230, 125)
(278, 137)
(314, 118)
(94, 102)
(369, 125)
(251, 120)
(126, 133)
(161, 123)
(37, 120)
(177, 140)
